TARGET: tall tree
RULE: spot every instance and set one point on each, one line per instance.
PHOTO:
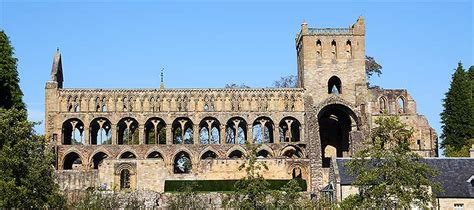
(458, 115)
(26, 172)
(10, 93)
(387, 173)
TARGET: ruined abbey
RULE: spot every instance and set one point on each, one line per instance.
(137, 139)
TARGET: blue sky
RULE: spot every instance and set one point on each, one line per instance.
(210, 43)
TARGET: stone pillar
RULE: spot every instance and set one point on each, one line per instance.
(169, 135)
(85, 133)
(276, 134)
(113, 130)
(157, 132)
(141, 137)
(182, 123)
(222, 135)
(249, 134)
(209, 129)
(196, 134)
(289, 133)
(262, 130)
(236, 128)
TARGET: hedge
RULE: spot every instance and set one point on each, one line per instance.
(221, 185)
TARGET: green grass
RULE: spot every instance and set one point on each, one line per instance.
(221, 185)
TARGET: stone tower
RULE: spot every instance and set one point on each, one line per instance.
(332, 60)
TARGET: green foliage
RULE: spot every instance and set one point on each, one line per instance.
(10, 92)
(187, 198)
(387, 173)
(252, 190)
(26, 179)
(372, 67)
(458, 114)
(223, 185)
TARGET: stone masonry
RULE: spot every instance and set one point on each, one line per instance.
(138, 138)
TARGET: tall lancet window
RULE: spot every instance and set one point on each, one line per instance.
(319, 49)
(333, 49)
(348, 49)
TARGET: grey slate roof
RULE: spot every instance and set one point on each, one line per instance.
(453, 175)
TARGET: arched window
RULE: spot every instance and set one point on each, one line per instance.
(348, 49)
(208, 155)
(155, 131)
(262, 130)
(183, 131)
(236, 154)
(155, 155)
(382, 104)
(101, 131)
(97, 159)
(125, 179)
(319, 49)
(334, 85)
(236, 131)
(128, 155)
(73, 132)
(209, 131)
(401, 105)
(334, 49)
(72, 161)
(263, 154)
(128, 131)
(182, 163)
(104, 105)
(289, 129)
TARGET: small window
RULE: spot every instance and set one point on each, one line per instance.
(206, 107)
(125, 179)
(334, 85)
(458, 206)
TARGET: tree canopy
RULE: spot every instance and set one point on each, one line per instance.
(457, 117)
(387, 173)
(10, 92)
(26, 179)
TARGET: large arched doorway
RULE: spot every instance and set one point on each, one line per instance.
(335, 124)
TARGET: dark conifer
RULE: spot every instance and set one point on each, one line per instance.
(457, 116)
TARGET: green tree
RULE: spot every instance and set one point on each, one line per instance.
(251, 191)
(26, 179)
(26, 172)
(457, 117)
(10, 92)
(387, 173)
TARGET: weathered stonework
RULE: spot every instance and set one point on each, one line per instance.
(99, 134)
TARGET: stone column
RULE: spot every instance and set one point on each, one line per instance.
(276, 134)
(196, 134)
(157, 132)
(209, 129)
(262, 126)
(289, 133)
(182, 123)
(249, 134)
(222, 135)
(236, 128)
(85, 133)
(113, 130)
(169, 135)
(141, 137)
